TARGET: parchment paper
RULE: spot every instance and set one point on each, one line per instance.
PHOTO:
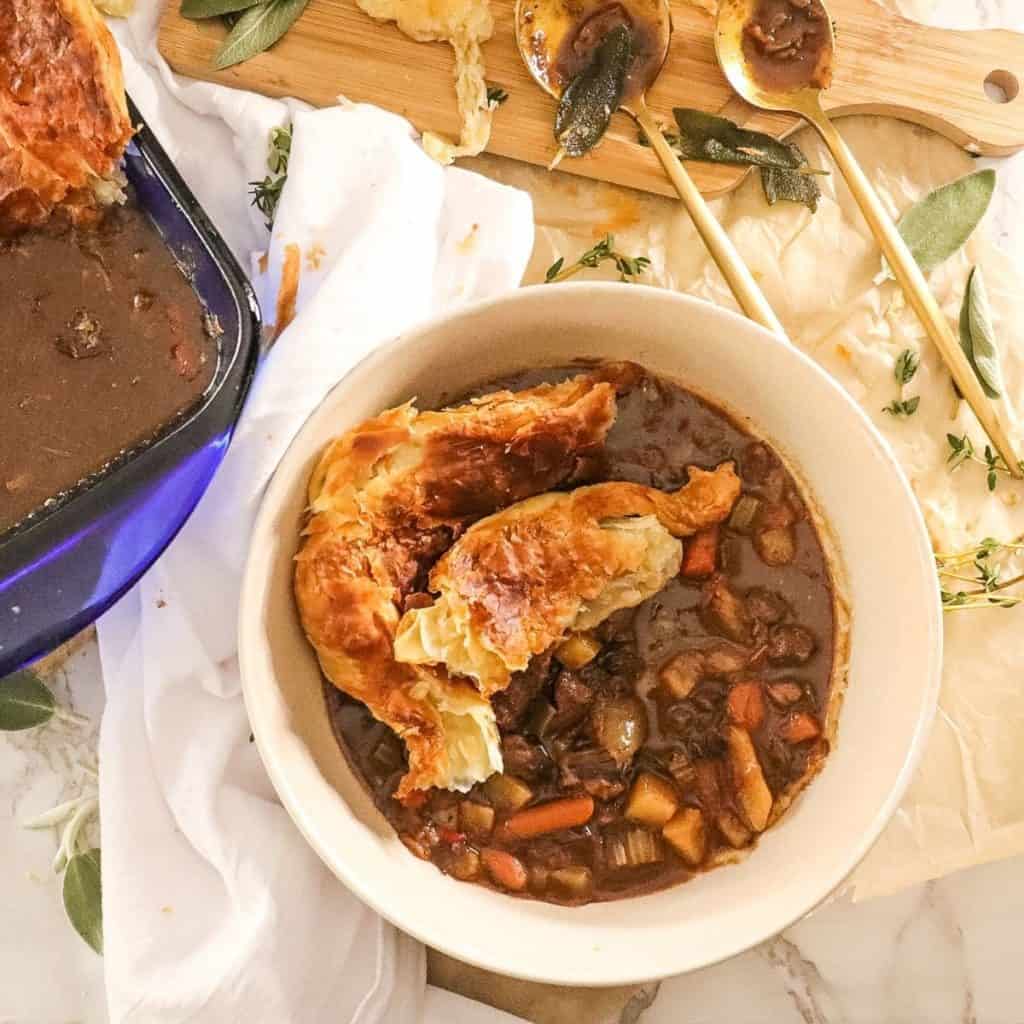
(966, 804)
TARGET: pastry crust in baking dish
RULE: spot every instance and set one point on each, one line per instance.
(63, 114)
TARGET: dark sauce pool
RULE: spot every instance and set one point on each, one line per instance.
(753, 641)
(104, 344)
(787, 45)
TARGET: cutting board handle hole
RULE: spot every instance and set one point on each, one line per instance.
(1002, 87)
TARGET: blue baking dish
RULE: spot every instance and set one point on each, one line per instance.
(69, 561)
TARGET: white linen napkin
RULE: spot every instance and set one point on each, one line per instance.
(215, 909)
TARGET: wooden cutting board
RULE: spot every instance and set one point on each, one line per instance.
(886, 65)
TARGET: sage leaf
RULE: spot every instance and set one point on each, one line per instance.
(977, 337)
(704, 136)
(196, 9)
(24, 702)
(586, 107)
(791, 186)
(718, 140)
(257, 30)
(83, 897)
(938, 225)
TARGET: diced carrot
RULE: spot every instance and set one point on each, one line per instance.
(701, 555)
(550, 817)
(508, 871)
(798, 727)
(746, 704)
(451, 836)
(415, 799)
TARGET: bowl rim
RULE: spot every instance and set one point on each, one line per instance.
(465, 951)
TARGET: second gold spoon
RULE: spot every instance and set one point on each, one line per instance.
(556, 36)
(778, 55)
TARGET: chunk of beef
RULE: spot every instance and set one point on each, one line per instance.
(790, 645)
(724, 611)
(775, 545)
(761, 468)
(572, 695)
(785, 692)
(764, 605)
(510, 704)
(522, 758)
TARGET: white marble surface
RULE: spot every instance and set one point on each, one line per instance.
(948, 951)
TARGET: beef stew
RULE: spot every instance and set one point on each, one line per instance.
(665, 740)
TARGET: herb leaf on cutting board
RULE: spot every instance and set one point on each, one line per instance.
(590, 99)
(496, 96)
(938, 225)
(196, 9)
(977, 336)
(785, 173)
(257, 30)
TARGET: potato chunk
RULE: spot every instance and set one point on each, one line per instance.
(752, 792)
(578, 650)
(476, 820)
(507, 793)
(652, 800)
(737, 835)
(575, 882)
(687, 835)
(680, 675)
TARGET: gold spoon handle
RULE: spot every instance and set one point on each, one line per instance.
(736, 273)
(915, 287)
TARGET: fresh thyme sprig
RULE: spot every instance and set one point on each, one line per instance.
(987, 562)
(629, 267)
(906, 366)
(267, 193)
(962, 450)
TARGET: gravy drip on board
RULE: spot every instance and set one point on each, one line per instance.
(636, 743)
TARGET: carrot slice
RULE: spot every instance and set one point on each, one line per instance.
(550, 817)
(508, 871)
(799, 727)
(746, 704)
(701, 553)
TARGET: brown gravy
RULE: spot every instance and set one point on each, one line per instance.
(547, 715)
(104, 343)
(649, 45)
(786, 44)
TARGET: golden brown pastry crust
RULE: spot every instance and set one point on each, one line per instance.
(63, 114)
(516, 582)
(385, 500)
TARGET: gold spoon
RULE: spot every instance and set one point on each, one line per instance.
(795, 84)
(545, 32)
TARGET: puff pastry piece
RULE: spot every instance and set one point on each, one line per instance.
(518, 581)
(63, 114)
(385, 500)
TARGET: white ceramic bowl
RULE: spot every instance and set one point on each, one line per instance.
(894, 657)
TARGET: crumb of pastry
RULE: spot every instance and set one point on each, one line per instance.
(465, 24)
